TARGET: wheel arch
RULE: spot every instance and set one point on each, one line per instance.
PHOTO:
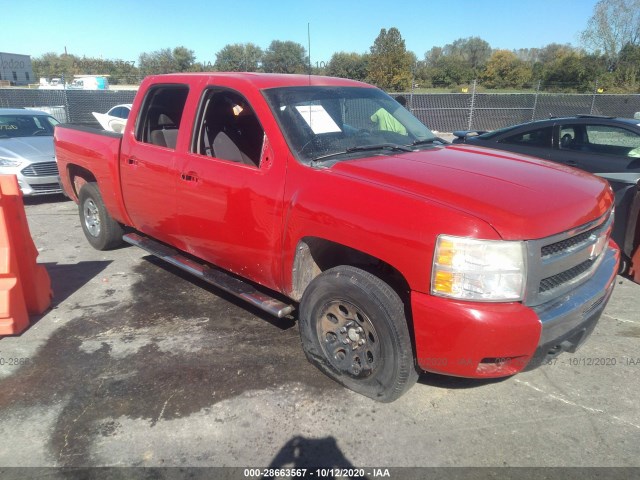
(315, 255)
(79, 176)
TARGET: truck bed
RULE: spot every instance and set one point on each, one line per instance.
(97, 151)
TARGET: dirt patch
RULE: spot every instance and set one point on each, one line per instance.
(174, 350)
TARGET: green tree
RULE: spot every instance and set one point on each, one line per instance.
(285, 57)
(348, 65)
(614, 24)
(389, 62)
(156, 62)
(552, 52)
(165, 60)
(626, 77)
(528, 55)
(456, 63)
(183, 59)
(474, 51)
(445, 71)
(566, 71)
(569, 69)
(432, 56)
(51, 65)
(239, 57)
(505, 70)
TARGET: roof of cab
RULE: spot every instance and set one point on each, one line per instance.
(264, 80)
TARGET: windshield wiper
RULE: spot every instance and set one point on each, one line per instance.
(427, 141)
(365, 148)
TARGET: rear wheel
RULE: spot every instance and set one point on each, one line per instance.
(101, 230)
(353, 328)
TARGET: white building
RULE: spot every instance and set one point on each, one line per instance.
(16, 69)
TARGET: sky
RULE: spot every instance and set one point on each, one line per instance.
(118, 29)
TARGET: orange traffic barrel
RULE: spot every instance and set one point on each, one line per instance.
(25, 286)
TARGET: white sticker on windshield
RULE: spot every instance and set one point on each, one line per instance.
(318, 119)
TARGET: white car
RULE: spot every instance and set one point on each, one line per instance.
(26, 150)
(115, 119)
(120, 111)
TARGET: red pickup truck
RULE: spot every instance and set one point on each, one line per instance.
(400, 253)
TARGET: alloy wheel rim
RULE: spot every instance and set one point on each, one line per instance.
(92, 217)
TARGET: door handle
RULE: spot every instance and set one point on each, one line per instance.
(132, 161)
(189, 177)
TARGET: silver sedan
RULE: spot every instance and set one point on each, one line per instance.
(26, 150)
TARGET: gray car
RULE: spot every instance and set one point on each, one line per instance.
(26, 150)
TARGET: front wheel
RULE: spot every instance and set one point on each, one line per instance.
(101, 230)
(353, 328)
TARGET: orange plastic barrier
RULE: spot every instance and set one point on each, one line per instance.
(25, 286)
(634, 271)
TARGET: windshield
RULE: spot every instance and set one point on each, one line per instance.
(13, 126)
(333, 122)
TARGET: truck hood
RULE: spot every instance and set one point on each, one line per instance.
(34, 149)
(521, 197)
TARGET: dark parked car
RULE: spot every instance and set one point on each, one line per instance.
(606, 146)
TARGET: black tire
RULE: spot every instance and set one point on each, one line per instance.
(625, 263)
(353, 328)
(101, 230)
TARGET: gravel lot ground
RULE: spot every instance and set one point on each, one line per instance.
(137, 365)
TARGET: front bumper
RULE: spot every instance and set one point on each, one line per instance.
(484, 340)
(568, 322)
(32, 186)
(35, 185)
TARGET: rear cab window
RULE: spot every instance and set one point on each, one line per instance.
(161, 115)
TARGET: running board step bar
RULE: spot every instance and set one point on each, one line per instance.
(218, 278)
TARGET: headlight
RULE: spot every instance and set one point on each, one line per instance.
(479, 270)
(9, 162)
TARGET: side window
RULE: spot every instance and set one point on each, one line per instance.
(532, 138)
(570, 137)
(613, 141)
(228, 128)
(160, 116)
(119, 112)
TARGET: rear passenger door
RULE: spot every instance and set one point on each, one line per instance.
(599, 148)
(148, 162)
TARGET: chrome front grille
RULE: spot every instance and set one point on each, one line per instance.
(43, 169)
(561, 278)
(566, 245)
(558, 264)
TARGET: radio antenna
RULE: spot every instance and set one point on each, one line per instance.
(309, 49)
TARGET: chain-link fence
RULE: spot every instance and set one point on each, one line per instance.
(67, 106)
(443, 112)
(446, 112)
